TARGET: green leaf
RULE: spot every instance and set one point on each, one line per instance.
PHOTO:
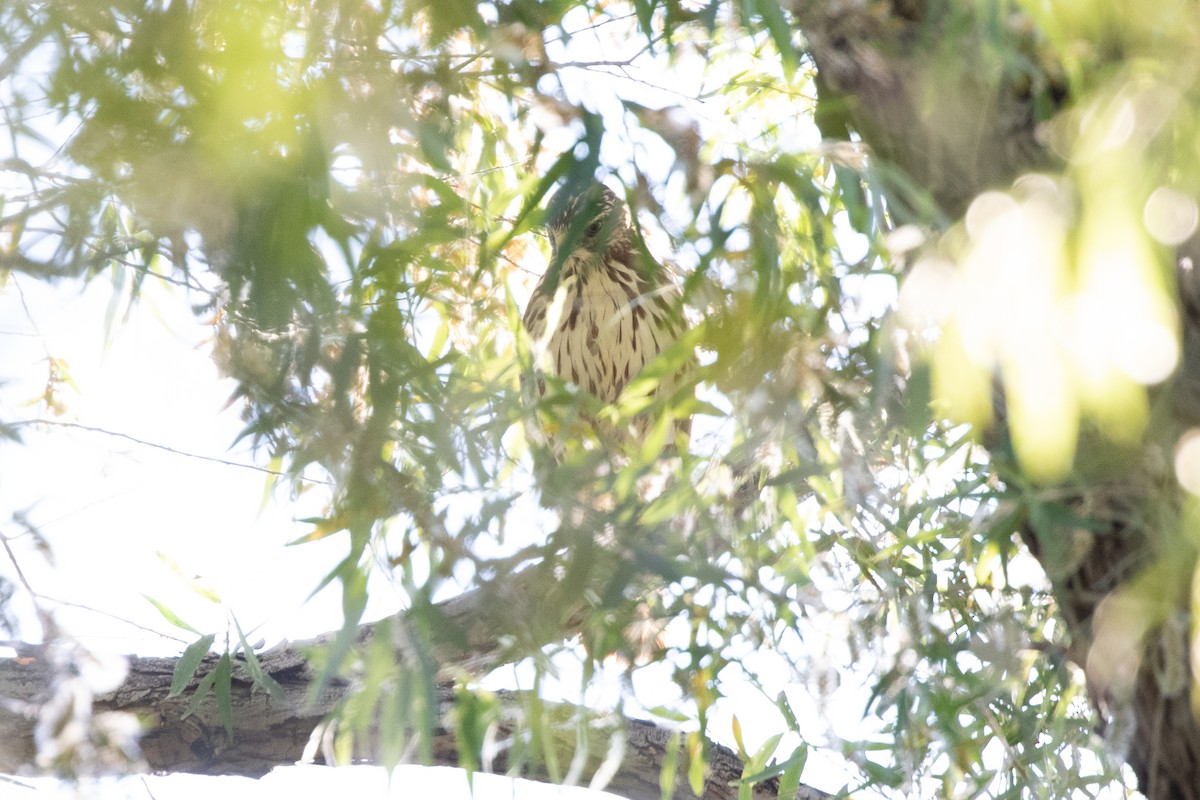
(645, 15)
(789, 783)
(447, 16)
(668, 776)
(170, 615)
(257, 673)
(697, 763)
(756, 765)
(474, 714)
(737, 737)
(781, 33)
(119, 281)
(881, 775)
(274, 467)
(189, 662)
(223, 688)
(439, 339)
(850, 187)
(789, 715)
(202, 689)
(433, 136)
(354, 602)
(523, 221)
(669, 714)
(193, 582)
(765, 773)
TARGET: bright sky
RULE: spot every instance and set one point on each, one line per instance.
(133, 508)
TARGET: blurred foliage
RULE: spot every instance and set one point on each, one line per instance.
(350, 190)
(1063, 284)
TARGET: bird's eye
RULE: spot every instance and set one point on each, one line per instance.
(593, 229)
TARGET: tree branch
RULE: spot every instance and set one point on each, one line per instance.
(117, 434)
(273, 730)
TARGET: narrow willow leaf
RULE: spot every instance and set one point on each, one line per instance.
(737, 737)
(781, 33)
(755, 767)
(202, 689)
(697, 763)
(257, 673)
(669, 774)
(757, 770)
(189, 662)
(170, 616)
(223, 688)
(789, 782)
(275, 467)
(645, 15)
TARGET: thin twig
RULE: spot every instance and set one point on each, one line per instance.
(146, 786)
(172, 450)
(29, 316)
(111, 615)
(17, 566)
(14, 781)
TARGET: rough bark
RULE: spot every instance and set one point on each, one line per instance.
(926, 104)
(271, 731)
(916, 85)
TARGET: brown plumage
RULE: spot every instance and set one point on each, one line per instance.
(618, 308)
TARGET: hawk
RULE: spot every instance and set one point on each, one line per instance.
(610, 307)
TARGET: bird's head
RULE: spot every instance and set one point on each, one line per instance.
(586, 224)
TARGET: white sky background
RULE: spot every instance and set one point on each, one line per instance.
(119, 513)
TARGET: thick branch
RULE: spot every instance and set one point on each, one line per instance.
(275, 731)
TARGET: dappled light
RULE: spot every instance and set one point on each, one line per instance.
(1075, 329)
(847, 444)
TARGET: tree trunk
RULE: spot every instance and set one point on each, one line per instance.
(923, 102)
(285, 728)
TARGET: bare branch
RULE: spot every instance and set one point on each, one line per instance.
(222, 461)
